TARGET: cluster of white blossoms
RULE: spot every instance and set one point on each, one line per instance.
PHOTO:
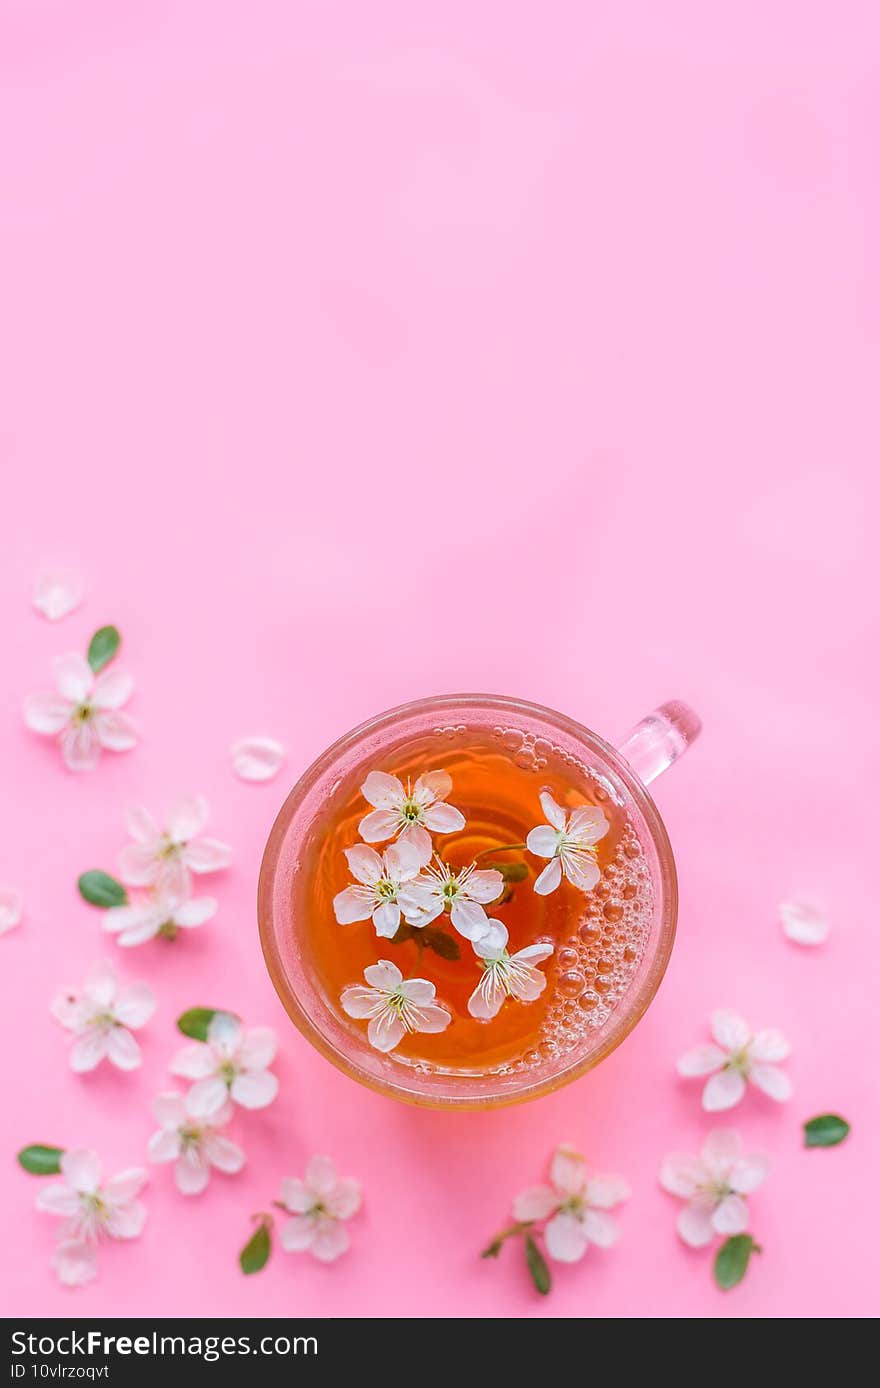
(409, 883)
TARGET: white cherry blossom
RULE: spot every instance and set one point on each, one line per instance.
(463, 892)
(164, 858)
(102, 1016)
(715, 1185)
(232, 1064)
(159, 915)
(394, 1005)
(319, 1205)
(569, 841)
(379, 881)
(11, 908)
(192, 1142)
(409, 812)
(507, 975)
(91, 1211)
(84, 713)
(736, 1057)
(575, 1205)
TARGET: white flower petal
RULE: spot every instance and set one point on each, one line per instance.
(553, 813)
(365, 864)
(485, 886)
(360, 1002)
(258, 1048)
(138, 864)
(701, 1060)
(565, 1238)
(604, 1192)
(418, 991)
(568, 1170)
(58, 1199)
(11, 908)
(429, 1018)
(127, 1221)
(88, 1050)
(386, 1030)
(194, 912)
(206, 855)
(193, 1062)
(418, 839)
(729, 1029)
(321, 1176)
(298, 1234)
(257, 758)
(187, 817)
(384, 975)
(720, 1150)
(353, 904)
(443, 819)
(588, 825)
(331, 1240)
(549, 879)
(804, 923)
(115, 731)
(73, 677)
(75, 1262)
(80, 747)
(100, 983)
(377, 826)
(543, 841)
(581, 869)
(386, 919)
(523, 982)
(433, 785)
(772, 1081)
(723, 1090)
(254, 1088)
(135, 1005)
(142, 827)
(694, 1224)
(402, 860)
(344, 1200)
(191, 1171)
(207, 1096)
(296, 1196)
(600, 1228)
(123, 1187)
(164, 1145)
(748, 1173)
(469, 919)
(487, 998)
(730, 1216)
(383, 791)
(113, 688)
(681, 1175)
(46, 713)
(57, 593)
(536, 1202)
(769, 1045)
(221, 1152)
(123, 1050)
(224, 1032)
(81, 1170)
(493, 943)
(169, 1109)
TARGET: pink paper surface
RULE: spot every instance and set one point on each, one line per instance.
(360, 352)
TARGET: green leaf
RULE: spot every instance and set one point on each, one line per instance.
(196, 1020)
(103, 647)
(441, 943)
(255, 1254)
(100, 889)
(538, 1269)
(40, 1160)
(825, 1131)
(511, 872)
(732, 1260)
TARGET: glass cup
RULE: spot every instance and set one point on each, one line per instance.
(653, 745)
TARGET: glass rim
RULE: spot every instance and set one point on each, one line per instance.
(628, 1011)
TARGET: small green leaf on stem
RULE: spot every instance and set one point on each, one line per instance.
(441, 943)
(732, 1260)
(40, 1160)
(100, 889)
(256, 1252)
(825, 1131)
(103, 647)
(196, 1021)
(511, 872)
(538, 1269)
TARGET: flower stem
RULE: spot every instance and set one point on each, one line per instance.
(510, 1232)
(503, 848)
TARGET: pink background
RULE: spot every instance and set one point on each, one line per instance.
(358, 352)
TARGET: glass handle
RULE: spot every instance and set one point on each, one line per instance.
(660, 739)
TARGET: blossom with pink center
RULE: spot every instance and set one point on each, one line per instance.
(164, 858)
(736, 1057)
(102, 1016)
(232, 1064)
(507, 976)
(84, 713)
(569, 841)
(319, 1205)
(715, 1186)
(408, 813)
(159, 915)
(379, 880)
(463, 892)
(91, 1211)
(575, 1206)
(195, 1144)
(394, 1005)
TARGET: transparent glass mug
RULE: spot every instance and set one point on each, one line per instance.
(652, 746)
